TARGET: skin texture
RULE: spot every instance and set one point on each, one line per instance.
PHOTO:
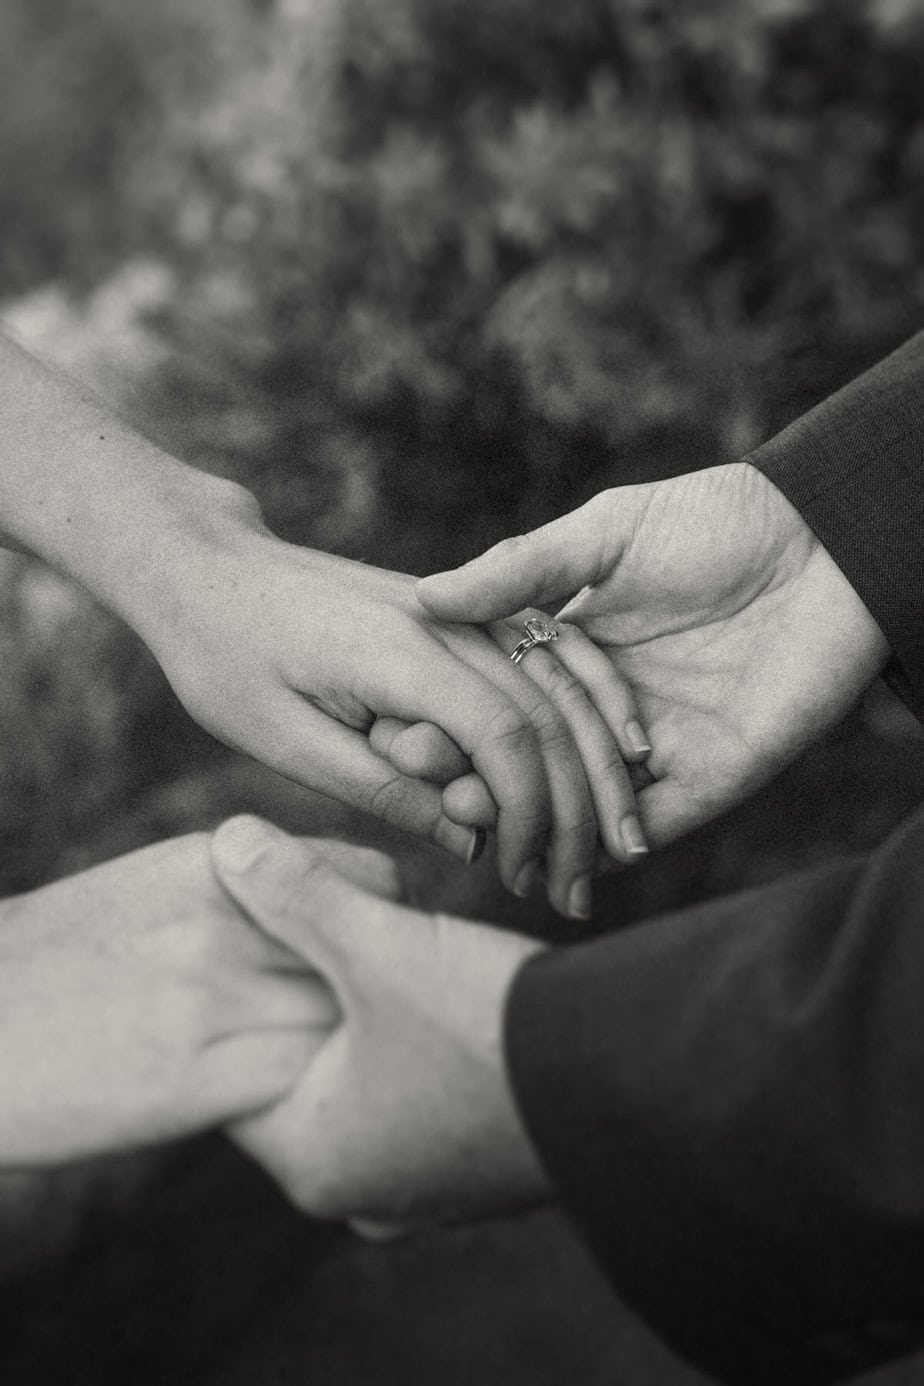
(138, 1005)
(405, 1113)
(741, 641)
(288, 654)
(593, 702)
(739, 637)
(311, 649)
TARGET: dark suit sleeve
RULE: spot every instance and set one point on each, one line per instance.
(731, 1100)
(854, 468)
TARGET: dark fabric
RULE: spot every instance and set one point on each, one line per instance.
(208, 1278)
(854, 468)
(731, 1099)
(730, 1102)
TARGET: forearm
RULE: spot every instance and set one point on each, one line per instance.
(84, 491)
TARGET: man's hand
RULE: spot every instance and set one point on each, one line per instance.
(138, 1005)
(405, 1114)
(739, 636)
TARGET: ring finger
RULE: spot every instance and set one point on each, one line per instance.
(570, 858)
(581, 682)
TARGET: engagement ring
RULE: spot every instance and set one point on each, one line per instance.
(537, 633)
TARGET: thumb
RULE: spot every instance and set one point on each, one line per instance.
(535, 569)
(291, 889)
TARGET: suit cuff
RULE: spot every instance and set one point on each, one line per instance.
(854, 468)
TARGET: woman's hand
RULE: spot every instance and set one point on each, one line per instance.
(596, 705)
(291, 655)
(740, 638)
(286, 654)
(138, 1005)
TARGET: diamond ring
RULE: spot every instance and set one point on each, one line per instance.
(537, 633)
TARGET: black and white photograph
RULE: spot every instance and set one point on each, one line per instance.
(461, 686)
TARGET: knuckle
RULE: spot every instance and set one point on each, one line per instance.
(612, 765)
(551, 727)
(576, 819)
(562, 684)
(508, 727)
(430, 743)
(236, 499)
(581, 824)
(415, 755)
(389, 799)
(515, 546)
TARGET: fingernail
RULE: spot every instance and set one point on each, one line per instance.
(528, 879)
(580, 898)
(476, 846)
(457, 840)
(637, 738)
(632, 836)
(241, 842)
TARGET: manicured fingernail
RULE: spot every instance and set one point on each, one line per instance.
(632, 836)
(241, 842)
(476, 846)
(580, 899)
(528, 879)
(637, 739)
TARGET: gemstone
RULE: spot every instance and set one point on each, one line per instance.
(541, 631)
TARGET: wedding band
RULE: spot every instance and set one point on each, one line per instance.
(537, 633)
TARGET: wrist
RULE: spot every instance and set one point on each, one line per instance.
(82, 490)
(842, 607)
(191, 533)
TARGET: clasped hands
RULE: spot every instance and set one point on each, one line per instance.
(740, 641)
(699, 616)
(356, 1046)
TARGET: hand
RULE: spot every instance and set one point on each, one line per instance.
(286, 654)
(405, 1114)
(594, 703)
(739, 636)
(290, 654)
(138, 1005)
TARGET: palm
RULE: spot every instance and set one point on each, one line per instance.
(741, 638)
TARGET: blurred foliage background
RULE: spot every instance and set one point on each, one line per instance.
(426, 274)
